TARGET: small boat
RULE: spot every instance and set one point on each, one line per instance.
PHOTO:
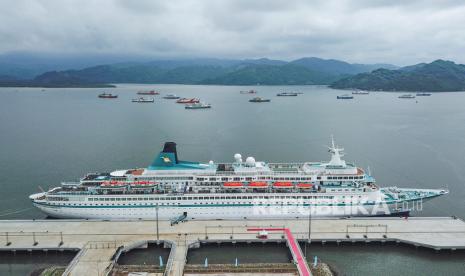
(188, 101)
(287, 94)
(107, 96)
(249, 92)
(407, 96)
(283, 185)
(359, 92)
(423, 94)
(345, 97)
(113, 185)
(143, 100)
(171, 97)
(233, 185)
(142, 184)
(198, 106)
(151, 92)
(304, 186)
(257, 185)
(259, 100)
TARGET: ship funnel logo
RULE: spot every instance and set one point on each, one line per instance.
(166, 159)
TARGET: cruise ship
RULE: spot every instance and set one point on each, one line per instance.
(170, 188)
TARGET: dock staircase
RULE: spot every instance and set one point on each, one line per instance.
(293, 245)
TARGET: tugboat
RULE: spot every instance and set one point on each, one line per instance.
(188, 101)
(422, 94)
(407, 96)
(287, 94)
(151, 92)
(107, 96)
(259, 100)
(249, 92)
(198, 106)
(345, 97)
(143, 100)
(171, 97)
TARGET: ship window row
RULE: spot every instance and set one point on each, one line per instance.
(57, 198)
(344, 177)
(177, 178)
(209, 198)
(223, 179)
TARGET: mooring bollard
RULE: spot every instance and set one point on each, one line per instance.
(61, 239)
(34, 239)
(8, 243)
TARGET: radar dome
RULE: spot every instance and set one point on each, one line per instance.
(238, 157)
(250, 161)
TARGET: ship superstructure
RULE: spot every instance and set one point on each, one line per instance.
(250, 189)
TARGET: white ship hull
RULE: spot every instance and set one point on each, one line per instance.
(229, 210)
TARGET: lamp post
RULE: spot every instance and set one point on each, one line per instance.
(158, 235)
(309, 223)
(309, 227)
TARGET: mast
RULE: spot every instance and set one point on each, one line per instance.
(336, 154)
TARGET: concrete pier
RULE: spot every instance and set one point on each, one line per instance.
(99, 241)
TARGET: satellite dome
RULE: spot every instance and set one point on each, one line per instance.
(250, 161)
(238, 157)
(211, 162)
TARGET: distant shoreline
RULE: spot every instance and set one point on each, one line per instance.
(115, 85)
(28, 85)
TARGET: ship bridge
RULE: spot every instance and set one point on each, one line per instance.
(335, 166)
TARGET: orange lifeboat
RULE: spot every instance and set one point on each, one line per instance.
(142, 184)
(304, 186)
(113, 184)
(233, 185)
(283, 185)
(258, 185)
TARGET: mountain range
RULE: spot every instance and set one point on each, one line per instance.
(196, 71)
(437, 76)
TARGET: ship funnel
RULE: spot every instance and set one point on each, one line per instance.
(168, 157)
(170, 147)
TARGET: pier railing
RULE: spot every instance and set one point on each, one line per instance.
(34, 237)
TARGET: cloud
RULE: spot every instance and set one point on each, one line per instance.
(401, 32)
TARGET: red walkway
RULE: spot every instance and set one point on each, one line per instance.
(302, 265)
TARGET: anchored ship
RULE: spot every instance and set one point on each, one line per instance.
(171, 188)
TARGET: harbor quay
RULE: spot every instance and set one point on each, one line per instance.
(99, 242)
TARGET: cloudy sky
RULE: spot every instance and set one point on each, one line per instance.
(400, 32)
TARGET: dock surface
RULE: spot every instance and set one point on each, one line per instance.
(98, 241)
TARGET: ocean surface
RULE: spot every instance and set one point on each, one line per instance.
(60, 134)
(53, 135)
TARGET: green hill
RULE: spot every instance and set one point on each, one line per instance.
(287, 74)
(201, 71)
(437, 76)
